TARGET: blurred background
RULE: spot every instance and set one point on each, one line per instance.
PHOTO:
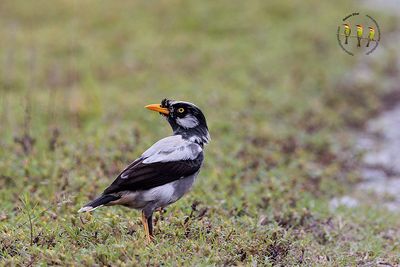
(288, 112)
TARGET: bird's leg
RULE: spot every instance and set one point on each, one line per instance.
(144, 221)
(148, 225)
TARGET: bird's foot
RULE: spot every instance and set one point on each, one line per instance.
(148, 227)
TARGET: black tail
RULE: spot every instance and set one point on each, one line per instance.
(100, 201)
(346, 40)
(359, 42)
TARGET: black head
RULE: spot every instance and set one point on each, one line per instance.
(185, 119)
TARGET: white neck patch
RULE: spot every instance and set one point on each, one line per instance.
(201, 139)
(187, 122)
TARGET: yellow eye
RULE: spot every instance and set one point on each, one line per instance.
(181, 110)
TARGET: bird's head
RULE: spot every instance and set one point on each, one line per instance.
(346, 25)
(185, 119)
(371, 29)
(359, 26)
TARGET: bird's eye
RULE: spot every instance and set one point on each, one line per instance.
(181, 110)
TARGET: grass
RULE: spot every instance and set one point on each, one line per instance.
(267, 75)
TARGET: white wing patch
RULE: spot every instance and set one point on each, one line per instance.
(172, 148)
(124, 175)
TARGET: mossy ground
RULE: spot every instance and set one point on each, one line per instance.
(269, 78)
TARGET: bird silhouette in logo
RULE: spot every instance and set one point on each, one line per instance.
(347, 32)
(371, 35)
(359, 34)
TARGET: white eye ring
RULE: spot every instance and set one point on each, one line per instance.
(181, 110)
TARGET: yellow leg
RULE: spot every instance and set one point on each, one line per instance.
(145, 222)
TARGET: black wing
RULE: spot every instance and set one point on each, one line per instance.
(142, 176)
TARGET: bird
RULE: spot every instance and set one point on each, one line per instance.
(164, 172)
(371, 35)
(359, 34)
(347, 32)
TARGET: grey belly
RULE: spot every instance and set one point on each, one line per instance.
(160, 196)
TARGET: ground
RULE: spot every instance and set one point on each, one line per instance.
(275, 88)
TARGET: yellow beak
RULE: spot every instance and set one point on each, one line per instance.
(158, 108)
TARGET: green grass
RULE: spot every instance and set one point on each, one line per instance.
(268, 78)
